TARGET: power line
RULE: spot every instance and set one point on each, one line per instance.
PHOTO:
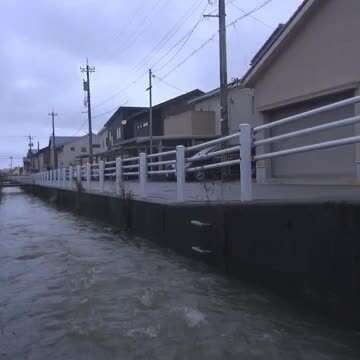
(168, 36)
(173, 31)
(187, 36)
(131, 40)
(213, 37)
(110, 111)
(121, 90)
(251, 16)
(81, 127)
(166, 83)
(183, 41)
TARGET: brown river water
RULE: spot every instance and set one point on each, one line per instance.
(71, 288)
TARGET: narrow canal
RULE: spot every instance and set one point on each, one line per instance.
(74, 289)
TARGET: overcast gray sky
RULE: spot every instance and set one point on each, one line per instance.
(44, 43)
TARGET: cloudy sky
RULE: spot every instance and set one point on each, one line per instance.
(44, 43)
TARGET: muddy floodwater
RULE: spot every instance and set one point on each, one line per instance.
(71, 288)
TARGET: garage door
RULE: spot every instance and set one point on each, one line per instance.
(333, 162)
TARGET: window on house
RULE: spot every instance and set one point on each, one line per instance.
(118, 133)
(83, 149)
(72, 148)
(96, 146)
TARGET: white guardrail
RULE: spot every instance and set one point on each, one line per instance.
(142, 166)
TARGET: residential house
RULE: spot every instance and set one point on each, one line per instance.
(174, 122)
(310, 61)
(26, 165)
(40, 159)
(240, 105)
(76, 151)
(32, 162)
(60, 141)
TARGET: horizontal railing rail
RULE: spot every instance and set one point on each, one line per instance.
(339, 104)
(319, 128)
(212, 142)
(214, 166)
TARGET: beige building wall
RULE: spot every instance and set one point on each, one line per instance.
(322, 56)
(319, 58)
(190, 123)
(203, 123)
(178, 124)
(67, 156)
(240, 108)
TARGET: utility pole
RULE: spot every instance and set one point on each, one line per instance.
(223, 68)
(52, 114)
(150, 110)
(38, 155)
(30, 142)
(88, 69)
(30, 151)
(11, 163)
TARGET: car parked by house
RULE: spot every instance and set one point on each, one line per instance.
(205, 157)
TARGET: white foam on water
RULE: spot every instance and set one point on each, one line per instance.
(151, 332)
(147, 298)
(193, 317)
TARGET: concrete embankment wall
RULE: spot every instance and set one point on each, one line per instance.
(307, 251)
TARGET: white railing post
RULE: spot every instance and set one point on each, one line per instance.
(70, 176)
(78, 173)
(143, 173)
(180, 172)
(59, 176)
(101, 175)
(118, 165)
(64, 176)
(88, 176)
(245, 162)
